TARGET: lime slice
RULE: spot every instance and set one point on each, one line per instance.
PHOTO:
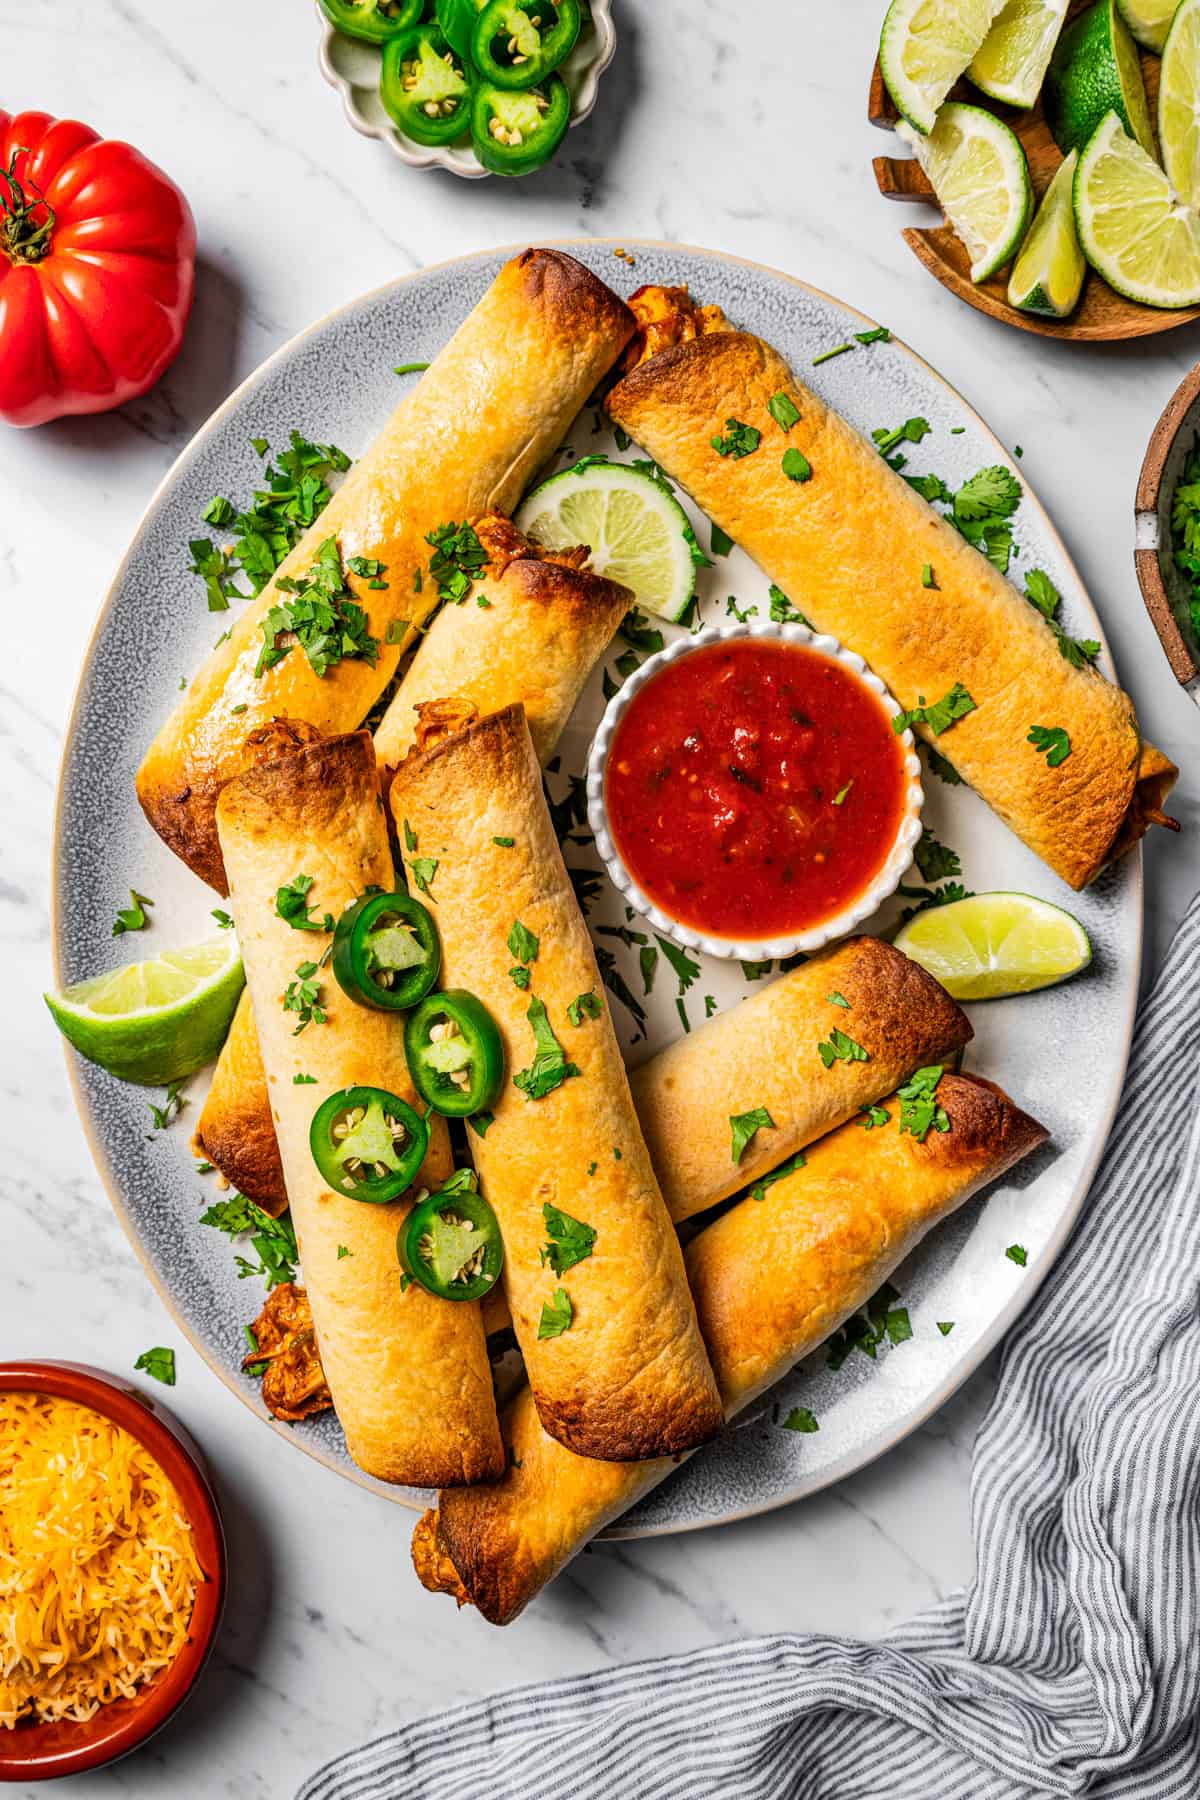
(996, 944)
(1011, 62)
(1096, 70)
(1179, 103)
(1048, 274)
(155, 1021)
(924, 47)
(635, 529)
(1133, 230)
(1149, 20)
(981, 179)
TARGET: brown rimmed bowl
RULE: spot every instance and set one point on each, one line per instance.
(1162, 586)
(1103, 315)
(41, 1752)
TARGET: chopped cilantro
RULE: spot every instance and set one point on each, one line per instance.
(681, 1009)
(744, 1125)
(585, 1006)
(841, 1048)
(935, 861)
(839, 798)
(480, 1121)
(166, 1114)
(741, 613)
(873, 1116)
(836, 999)
(919, 1110)
(272, 1240)
(927, 577)
(637, 630)
(571, 1241)
(557, 1315)
(1018, 1254)
(739, 440)
(911, 432)
(617, 985)
(828, 355)
(291, 903)
(758, 1189)
(303, 996)
(686, 967)
(458, 560)
(720, 541)
(754, 971)
(800, 1419)
(648, 962)
(519, 976)
(710, 1005)
(222, 917)
(782, 610)
(994, 492)
(522, 944)
(1052, 741)
(550, 1067)
(159, 1364)
(319, 616)
(424, 869)
(940, 715)
(783, 410)
(504, 843)
(133, 917)
(945, 1326)
(796, 465)
(945, 771)
(1042, 592)
(412, 368)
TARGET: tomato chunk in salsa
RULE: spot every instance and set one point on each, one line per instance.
(754, 788)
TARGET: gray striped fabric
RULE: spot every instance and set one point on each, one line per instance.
(1071, 1666)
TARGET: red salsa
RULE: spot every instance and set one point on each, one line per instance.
(754, 789)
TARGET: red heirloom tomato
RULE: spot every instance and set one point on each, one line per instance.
(97, 265)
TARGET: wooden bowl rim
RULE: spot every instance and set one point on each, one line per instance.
(1185, 665)
(42, 1752)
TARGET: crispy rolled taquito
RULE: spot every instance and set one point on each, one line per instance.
(763, 1052)
(409, 1374)
(611, 1346)
(465, 441)
(771, 1279)
(850, 542)
(547, 621)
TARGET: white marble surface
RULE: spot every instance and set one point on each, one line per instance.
(738, 127)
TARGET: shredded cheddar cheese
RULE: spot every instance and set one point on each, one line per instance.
(98, 1571)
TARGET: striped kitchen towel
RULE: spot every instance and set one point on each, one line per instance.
(1071, 1666)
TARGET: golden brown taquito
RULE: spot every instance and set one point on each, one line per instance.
(763, 1052)
(629, 1378)
(465, 441)
(850, 543)
(546, 623)
(409, 1374)
(772, 1279)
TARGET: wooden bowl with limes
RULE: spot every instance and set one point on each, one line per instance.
(1103, 315)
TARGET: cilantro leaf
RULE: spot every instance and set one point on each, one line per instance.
(935, 861)
(291, 903)
(740, 440)
(571, 1240)
(557, 1315)
(919, 1110)
(873, 1116)
(303, 996)
(173, 1104)
(458, 560)
(424, 869)
(991, 493)
(319, 616)
(685, 966)
(1042, 592)
(800, 1419)
(272, 1240)
(744, 1126)
(841, 1048)
(720, 541)
(782, 610)
(911, 432)
(945, 1326)
(637, 630)
(940, 715)
(522, 944)
(132, 917)
(796, 465)
(1052, 741)
(159, 1364)
(550, 1067)
(783, 410)
(585, 1006)
(1017, 1253)
(758, 1189)
(945, 771)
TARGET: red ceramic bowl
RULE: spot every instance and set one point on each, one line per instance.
(39, 1752)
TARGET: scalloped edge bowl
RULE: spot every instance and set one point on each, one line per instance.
(840, 924)
(352, 68)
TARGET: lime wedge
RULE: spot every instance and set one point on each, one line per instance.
(156, 1021)
(1011, 62)
(981, 179)
(924, 47)
(1048, 274)
(996, 944)
(1096, 70)
(1133, 229)
(1149, 20)
(635, 529)
(1179, 103)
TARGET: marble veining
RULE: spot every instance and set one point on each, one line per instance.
(741, 128)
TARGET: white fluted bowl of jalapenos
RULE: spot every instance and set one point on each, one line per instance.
(479, 87)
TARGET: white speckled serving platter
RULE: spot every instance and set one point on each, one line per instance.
(1061, 1053)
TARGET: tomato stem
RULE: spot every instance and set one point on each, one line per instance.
(23, 238)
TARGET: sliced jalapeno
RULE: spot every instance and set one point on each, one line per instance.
(457, 20)
(516, 132)
(368, 1144)
(425, 86)
(374, 21)
(518, 46)
(454, 1053)
(386, 952)
(451, 1242)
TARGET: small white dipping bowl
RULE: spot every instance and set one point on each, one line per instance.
(754, 949)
